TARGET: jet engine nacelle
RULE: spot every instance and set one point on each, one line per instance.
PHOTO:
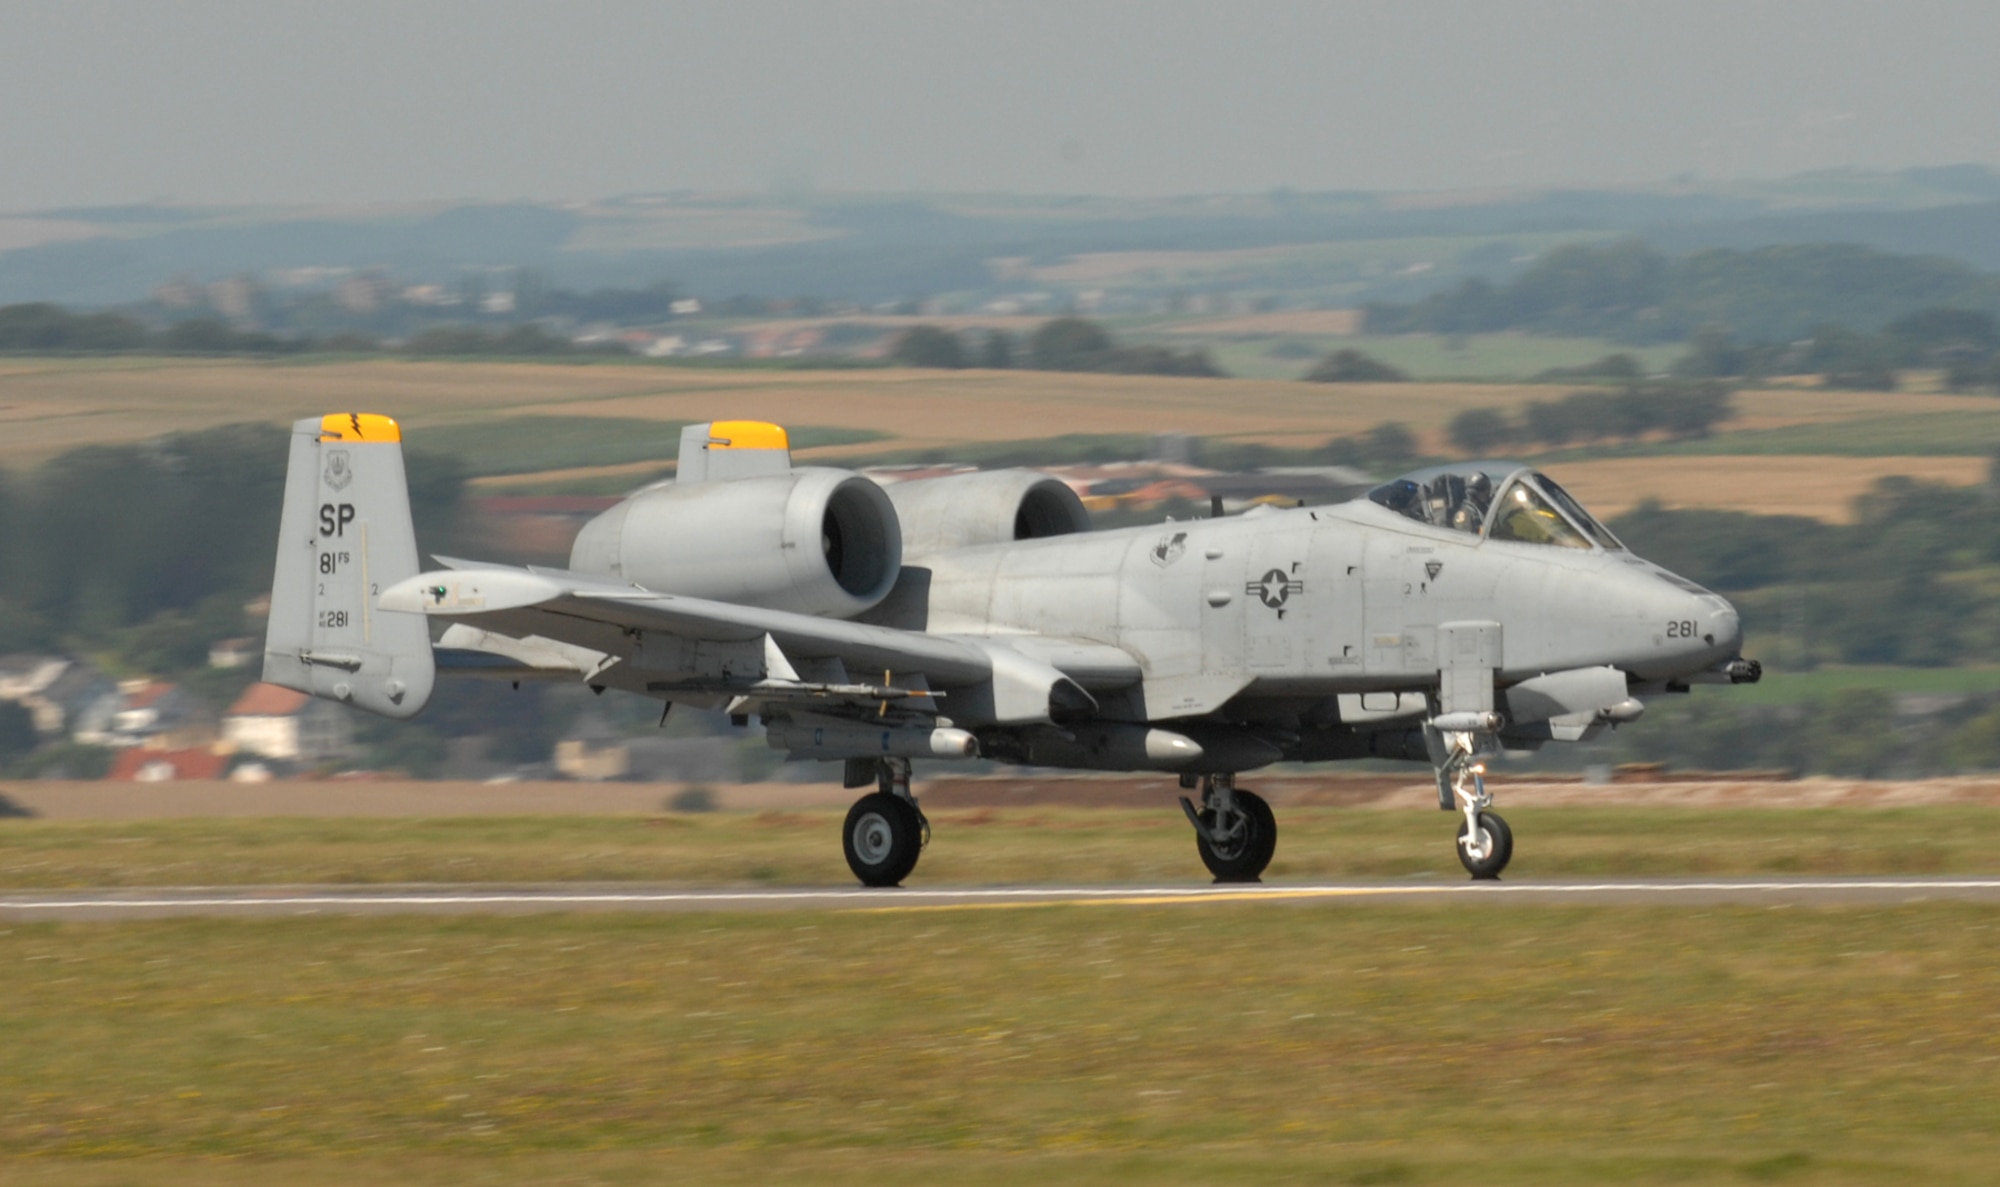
(810, 540)
(987, 507)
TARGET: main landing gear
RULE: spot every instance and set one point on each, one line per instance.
(885, 832)
(1234, 830)
(1485, 843)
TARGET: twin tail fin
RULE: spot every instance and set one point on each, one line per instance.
(344, 536)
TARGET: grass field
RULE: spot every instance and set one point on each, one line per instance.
(1815, 486)
(1332, 1043)
(1790, 688)
(1225, 1043)
(1972, 429)
(982, 846)
(591, 425)
(49, 406)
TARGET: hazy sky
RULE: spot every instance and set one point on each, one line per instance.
(361, 100)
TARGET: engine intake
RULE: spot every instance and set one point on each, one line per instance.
(989, 507)
(815, 541)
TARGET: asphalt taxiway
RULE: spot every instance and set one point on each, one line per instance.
(253, 901)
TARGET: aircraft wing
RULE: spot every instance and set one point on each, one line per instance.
(670, 644)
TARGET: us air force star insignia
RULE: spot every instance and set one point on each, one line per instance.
(1169, 549)
(1434, 568)
(1274, 588)
(338, 472)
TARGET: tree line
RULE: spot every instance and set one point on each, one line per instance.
(1854, 732)
(1896, 586)
(1893, 587)
(1633, 292)
(1059, 344)
(1963, 343)
(107, 537)
(42, 328)
(138, 557)
(1677, 409)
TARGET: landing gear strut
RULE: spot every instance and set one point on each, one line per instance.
(1485, 843)
(1234, 830)
(885, 832)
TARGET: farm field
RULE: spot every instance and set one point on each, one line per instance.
(1818, 487)
(1338, 323)
(48, 407)
(1221, 1043)
(1799, 419)
(586, 425)
(1002, 846)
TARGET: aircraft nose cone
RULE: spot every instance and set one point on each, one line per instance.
(1702, 629)
(1726, 629)
(1711, 630)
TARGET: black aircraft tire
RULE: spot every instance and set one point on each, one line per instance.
(882, 838)
(1245, 861)
(1266, 827)
(1489, 868)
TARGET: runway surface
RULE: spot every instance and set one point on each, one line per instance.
(487, 899)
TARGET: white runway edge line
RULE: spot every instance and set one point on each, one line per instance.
(266, 898)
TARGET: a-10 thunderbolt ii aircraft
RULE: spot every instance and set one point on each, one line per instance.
(1449, 614)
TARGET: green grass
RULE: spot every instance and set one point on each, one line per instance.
(1329, 1043)
(526, 444)
(1791, 688)
(982, 846)
(1220, 1043)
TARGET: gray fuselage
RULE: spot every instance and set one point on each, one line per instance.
(1347, 598)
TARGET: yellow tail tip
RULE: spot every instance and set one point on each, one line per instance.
(747, 434)
(359, 426)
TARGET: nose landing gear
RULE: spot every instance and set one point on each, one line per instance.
(1485, 843)
(1485, 848)
(1234, 830)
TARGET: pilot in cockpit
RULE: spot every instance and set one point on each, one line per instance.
(1524, 507)
(1471, 510)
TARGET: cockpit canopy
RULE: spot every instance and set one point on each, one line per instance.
(1497, 500)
